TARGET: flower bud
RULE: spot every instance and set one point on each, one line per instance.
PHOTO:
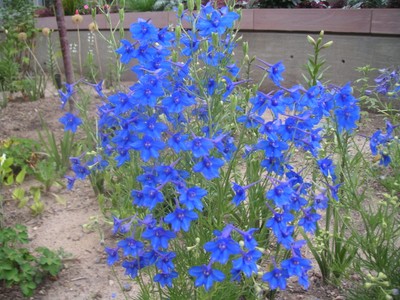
(190, 4)
(93, 27)
(180, 10)
(327, 45)
(388, 297)
(245, 48)
(311, 40)
(321, 34)
(46, 31)
(395, 292)
(368, 285)
(22, 36)
(381, 276)
(198, 4)
(178, 33)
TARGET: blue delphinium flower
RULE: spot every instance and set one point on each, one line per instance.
(191, 198)
(164, 261)
(247, 263)
(205, 275)
(308, 222)
(296, 265)
(112, 257)
(180, 219)
(148, 147)
(126, 51)
(158, 237)
(70, 122)
(327, 167)
(200, 146)
(347, 118)
(223, 246)
(165, 279)
(144, 31)
(276, 278)
(209, 167)
(130, 246)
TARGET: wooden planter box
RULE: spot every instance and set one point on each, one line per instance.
(358, 21)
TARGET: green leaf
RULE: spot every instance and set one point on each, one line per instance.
(10, 180)
(18, 194)
(21, 176)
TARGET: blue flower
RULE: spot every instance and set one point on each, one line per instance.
(126, 51)
(308, 222)
(280, 194)
(347, 118)
(247, 263)
(200, 146)
(178, 142)
(320, 201)
(209, 167)
(148, 147)
(70, 182)
(151, 127)
(296, 265)
(131, 246)
(165, 279)
(81, 172)
(279, 222)
(214, 22)
(180, 219)
(158, 236)
(276, 278)
(112, 257)
(70, 122)
(222, 248)
(192, 198)
(206, 276)
(164, 261)
(177, 102)
(132, 267)
(327, 167)
(144, 31)
(275, 73)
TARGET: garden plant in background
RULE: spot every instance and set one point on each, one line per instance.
(222, 176)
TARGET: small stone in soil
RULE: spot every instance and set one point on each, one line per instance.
(111, 282)
(127, 287)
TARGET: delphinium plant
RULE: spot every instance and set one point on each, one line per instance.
(215, 177)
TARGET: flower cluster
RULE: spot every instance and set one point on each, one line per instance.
(388, 82)
(379, 143)
(171, 123)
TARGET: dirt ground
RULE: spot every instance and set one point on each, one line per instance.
(61, 227)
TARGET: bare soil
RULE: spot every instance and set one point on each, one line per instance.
(85, 274)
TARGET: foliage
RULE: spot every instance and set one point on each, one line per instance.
(315, 63)
(24, 152)
(166, 4)
(70, 6)
(192, 135)
(18, 266)
(139, 5)
(278, 3)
